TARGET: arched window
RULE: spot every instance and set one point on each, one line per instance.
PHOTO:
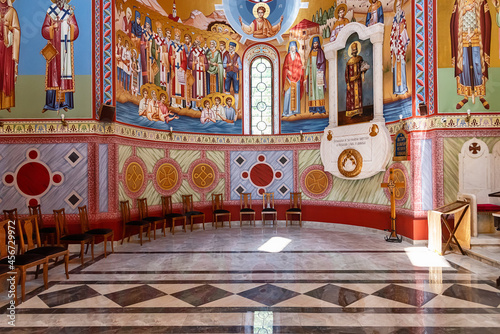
(261, 95)
(261, 85)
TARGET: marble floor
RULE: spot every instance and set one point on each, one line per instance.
(321, 278)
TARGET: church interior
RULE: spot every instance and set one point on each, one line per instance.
(250, 166)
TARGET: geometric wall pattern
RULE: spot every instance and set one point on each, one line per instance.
(53, 175)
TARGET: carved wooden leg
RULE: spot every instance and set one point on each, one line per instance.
(46, 275)
(66, 262)
(140, 233)
(36, 271)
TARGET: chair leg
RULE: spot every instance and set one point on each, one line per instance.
(87, 249)
(229, 220)
(140, 233)
(36, 271)
(191, 223)
(172, 226)
(82, 247)
(185, 231)
(16, 282)
(241, 221)
(92, 249)
(113, 242)
(286, 219)
(164, 227)
(154, 230)
(46, 274)
(66, 262)
(105, 243)
(203, 222)
(149, 232)
(23, 283)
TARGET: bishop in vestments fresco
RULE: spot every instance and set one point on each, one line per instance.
(10, 38)
(399, 44)
(470, 28)
(60, 29)
(354, 77)
(316, 77)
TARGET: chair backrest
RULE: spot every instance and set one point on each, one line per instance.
(217, 202)
(268, 200)
(36, 210)
(29, 227)
(84, 218)
(245, 200)
(187, 203)
(142, 205)
(125, 210)
(295, 200)
(166, 205)
(61, 227)
(11, 214)
(4, 240)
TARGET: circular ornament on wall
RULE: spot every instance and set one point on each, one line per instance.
(134, 177)
(400, 176)
(315, 182)
(203, 175)
(167, 176)
(350, 163)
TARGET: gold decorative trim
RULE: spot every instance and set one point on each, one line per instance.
(350, 163)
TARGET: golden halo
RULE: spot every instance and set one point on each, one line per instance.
(144, 87)
(395, 2)
(236, 48)
(228, 96)
(288, 45)
(261, 4)
(209, 102)
(339, 7)
(349, 51)
(220, 96)
(312, 38)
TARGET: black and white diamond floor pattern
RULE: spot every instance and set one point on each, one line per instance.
(265, 295)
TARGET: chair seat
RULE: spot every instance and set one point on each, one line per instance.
(24, 259)
(173, 215)
(48, 230)
(247, 210)
(76, 237)
(220, 211)
(269, 210)
(137, 223)
(45, 251)
(194, 213)
(99, 231)
(153, 219)
(294, 210)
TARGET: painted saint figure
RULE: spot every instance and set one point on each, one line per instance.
(198, 64)
(470, 28)
(341, 22)
(206, 113)
(230, 112)
(60, 29)
(10, 37)
(316, 77)
(354, 77)
(215, 72)
(261, 27)
(375, 13)
(178, 66)
(293, 76)
(399, 44)
(232, 64)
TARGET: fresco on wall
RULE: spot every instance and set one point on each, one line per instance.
(468, 56)
(355, 66)
(198, 54)
(45, 57)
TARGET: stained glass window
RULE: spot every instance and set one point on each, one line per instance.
(261, 96)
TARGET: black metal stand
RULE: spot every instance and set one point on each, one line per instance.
(393, 237)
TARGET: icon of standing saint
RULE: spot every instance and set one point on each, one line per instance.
(261, 27)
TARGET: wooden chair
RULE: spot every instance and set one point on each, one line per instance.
(127, 223)
(29, 228)
(295, 208)
(6, 274)
(142, 205)
(246, 207)
(64, 238)
(218, 210)
(166, 208)
(105, 233)
(187, 208)
(22, 261)
(268, 207)
(46, 232)
(12, 215)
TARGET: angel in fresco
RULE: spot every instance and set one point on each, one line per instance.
(293, 76)
(470, 28)
(399, 44)
(341, 22)
(10, 38)
(375, 13)
(261, 27)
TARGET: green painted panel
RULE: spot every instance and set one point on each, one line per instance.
(154, 198)
(124, 152)
(219, 189)
(218, 157)
(185, 158)
(150, 156)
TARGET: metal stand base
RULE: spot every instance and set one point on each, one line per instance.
(393, 237)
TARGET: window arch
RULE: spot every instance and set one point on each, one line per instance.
(261, 96)
(266, 58)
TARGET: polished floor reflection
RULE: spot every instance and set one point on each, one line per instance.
(325, 279)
